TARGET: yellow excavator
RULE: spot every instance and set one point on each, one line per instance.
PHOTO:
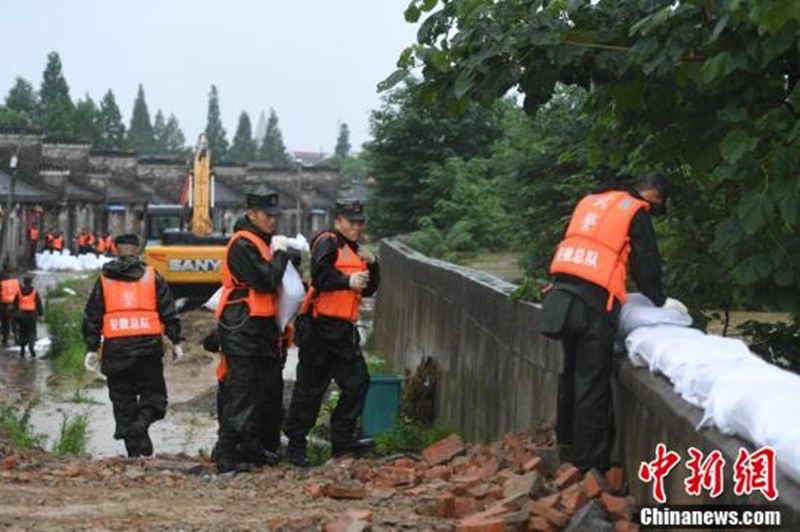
(186, 252)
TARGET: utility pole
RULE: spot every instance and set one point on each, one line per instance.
(299, 165)
(5, 237)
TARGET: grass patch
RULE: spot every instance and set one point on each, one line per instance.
(73, 436)
(79, 397)
(16, 426)
(64, 317)
(318, 453)
(410, 437)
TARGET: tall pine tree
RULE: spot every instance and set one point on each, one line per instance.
(261, 128)
(112, 129)
(342, 150)
(174, 141)
(55, 108)
(160, 133)
(22, 99)
(87, 123)
(272, 149)
(215, 133)
(244, 147)
(140, 132)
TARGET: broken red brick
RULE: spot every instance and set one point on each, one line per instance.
(572, 499)
(10, 462)
(446, 505)
(593, 483)
(533, 464)
(504, 476)
(556, 517)
(406, 462)
(391, 477)
(444, 450)
(416, 492)
(480, 490)
(617, 507)
(335, 491)
(363, 473)
(540, 524)
(494, 493)
(488, 469)
(314, 490)
(471, 524)
(567, 476)
(615, 478)
(466, 506)
(441, 471)
(551, 500)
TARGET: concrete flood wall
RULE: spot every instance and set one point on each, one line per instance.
(498, 375)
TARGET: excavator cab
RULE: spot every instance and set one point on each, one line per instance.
(180, 242)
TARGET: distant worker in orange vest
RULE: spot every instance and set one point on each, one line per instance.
(608, 231)
(33, 241)
(128, 312)
(58, 242)
(85, 241)
(342, 273)
(9, 288)
(27, 310)
(250, 376)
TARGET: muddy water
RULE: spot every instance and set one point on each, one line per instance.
(188, 430)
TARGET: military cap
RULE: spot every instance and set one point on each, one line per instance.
(128, 239)
(350, 208)
(264, 202)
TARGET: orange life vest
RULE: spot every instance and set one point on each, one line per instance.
(596, 245)
(222, 368)
(259, 304)
(33, 234)
(101, 245)
(27, 303)
(58, 243)
(10, 289)
(131, 308)
(341, 304)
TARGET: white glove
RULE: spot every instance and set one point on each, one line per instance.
(358, 281)
(280, 243)
(177, 352)
(674, 304)
(92, 362)
(366, 255)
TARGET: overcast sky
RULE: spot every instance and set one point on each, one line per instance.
(316, 62)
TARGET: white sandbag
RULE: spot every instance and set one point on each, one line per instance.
(643, 342)
(290, 295)
(639, 311)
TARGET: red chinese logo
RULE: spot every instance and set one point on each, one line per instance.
(755, 472)
(705, 474)
(658, 469)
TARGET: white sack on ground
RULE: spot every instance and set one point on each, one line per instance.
(65, 261)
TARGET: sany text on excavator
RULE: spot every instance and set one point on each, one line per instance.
(189, 260)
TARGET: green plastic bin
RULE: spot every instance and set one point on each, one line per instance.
(382, 405)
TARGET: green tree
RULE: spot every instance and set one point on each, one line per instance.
(87, 121)
(174, 140)
(342, 150)
(55, 108)
(160, 133)
(707, 92)
(11, 118)
(112, 129)
(217, 141)
(244, 147)
(408, 137)
(272, 149)
(22, 99)
(140, 132)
